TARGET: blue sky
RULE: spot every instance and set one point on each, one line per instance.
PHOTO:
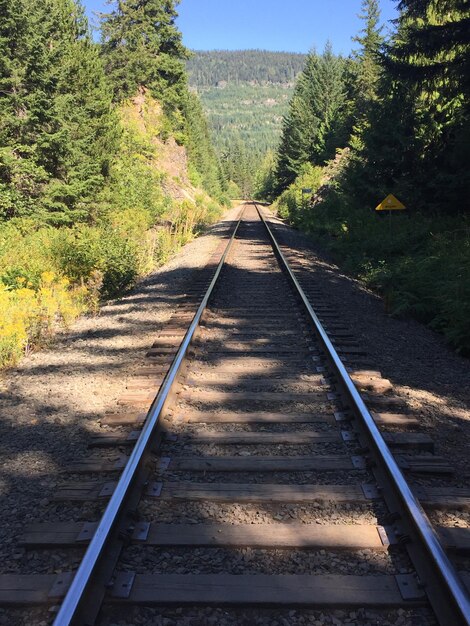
(290, 25)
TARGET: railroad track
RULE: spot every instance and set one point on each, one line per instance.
(257, 477)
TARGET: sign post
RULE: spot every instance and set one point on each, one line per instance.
(390, 204)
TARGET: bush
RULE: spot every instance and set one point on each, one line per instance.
(119, 264)
(84, 250)
(29, 317)
(420, 263)
(292, 203)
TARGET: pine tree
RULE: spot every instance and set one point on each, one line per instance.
(142, 47)
(430, 55)
(201, 151)
(239, 166)
(83, 137)
(265, 178)
(370, 41)
(433, 43)
(22, 104)
(299, 127)
(326, 94)
(315, 122)
(57, 125)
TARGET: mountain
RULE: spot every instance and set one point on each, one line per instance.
(245, 94)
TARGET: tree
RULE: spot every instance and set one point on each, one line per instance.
(142, 46)
(57, 127)
(315, 122)
(368, 70)
(430, 55)
(201, 151)
(265, 178)
(434, 42)
(239, 166)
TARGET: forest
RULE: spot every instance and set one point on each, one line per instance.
(87, 131)
(245, 94)
(108, 162)
(392, 118)
(256, 67)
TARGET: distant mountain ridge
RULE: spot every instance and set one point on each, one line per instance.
(210, 68)
(245, 94)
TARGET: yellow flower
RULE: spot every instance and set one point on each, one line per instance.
(47, 277)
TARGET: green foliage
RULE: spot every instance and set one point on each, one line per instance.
(142, 50)
(57, 128)
(240, 166)
(82, 252)
(366, 71)
(84, 209)
(50, 275)
(142, 47)
(135, 181)
(429, 59)
(206, 167)
(421, 264)
(315, 121)
(293, 203)
(265, 178)
(241, 67)
(407, 105)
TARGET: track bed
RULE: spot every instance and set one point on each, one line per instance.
(259, 498)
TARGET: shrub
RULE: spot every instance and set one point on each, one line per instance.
(420, 263)
(29, 317)
(292, 203)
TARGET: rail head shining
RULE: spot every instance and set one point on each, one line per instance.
(455, 589)
(76, 594)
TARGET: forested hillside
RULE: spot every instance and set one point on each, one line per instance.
(392, 118)
(258, 67)
(106, 161)
(245, 94)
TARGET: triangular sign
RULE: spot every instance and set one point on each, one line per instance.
(390, 204)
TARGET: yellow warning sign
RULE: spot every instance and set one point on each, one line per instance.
(390, 204)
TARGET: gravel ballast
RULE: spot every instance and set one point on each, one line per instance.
(53, 402)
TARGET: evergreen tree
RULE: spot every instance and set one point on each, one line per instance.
(434, 43)
(142, 46)
(265, 178)
(315, 122)
(430, 58)
(83, 141)
(57, 125)
(239, 166)
(201, 151)
(368, 70)
(299, 127)
(21, 176)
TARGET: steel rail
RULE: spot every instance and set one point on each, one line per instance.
(454, 587)
(76, 595)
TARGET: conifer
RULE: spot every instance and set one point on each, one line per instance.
(315, 117)
(142, 46)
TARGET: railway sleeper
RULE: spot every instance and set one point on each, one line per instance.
(430, 497)
(276, 535)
